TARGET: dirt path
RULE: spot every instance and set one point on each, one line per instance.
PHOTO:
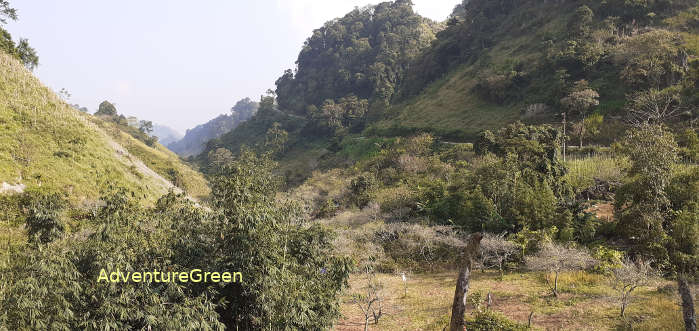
(129, 159)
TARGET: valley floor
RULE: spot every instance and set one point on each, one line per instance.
(587, 302)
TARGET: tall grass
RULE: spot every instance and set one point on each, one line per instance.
(583, 170)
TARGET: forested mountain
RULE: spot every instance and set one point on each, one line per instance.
(352, 65)
(195, 139)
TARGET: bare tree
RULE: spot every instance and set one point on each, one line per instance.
(554, 258)
(690, 319)
(370, 302)
(458, 308)
(630, 276)
(653, 106)
(495, 251)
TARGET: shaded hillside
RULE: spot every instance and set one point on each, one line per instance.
(195, 139)
(503, 61)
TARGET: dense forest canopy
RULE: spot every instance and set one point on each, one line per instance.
(360, 57)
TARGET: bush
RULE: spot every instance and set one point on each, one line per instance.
(418, 247)
(44, 221)
(489, 320)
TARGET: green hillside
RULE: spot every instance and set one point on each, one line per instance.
(515, 60)
(46, 145)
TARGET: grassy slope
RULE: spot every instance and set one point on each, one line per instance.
(47, 145)
(159, 159)
(449, 106)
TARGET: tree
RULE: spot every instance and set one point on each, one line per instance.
(7, 12)
(655, 59)
(22, 51)
(496, 250)
(653, 106)
(371, 302)
(106, 108)
(688, 314)
(146, 126)
(44, 222)
(642, 206)
(244, 109)
(630, 276)
(276, 138)
(588, 126)
(556, 258)
(290, 271)
(458, 307)
(579, 101)
(27, 54)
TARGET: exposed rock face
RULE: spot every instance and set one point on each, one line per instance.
(6, 188)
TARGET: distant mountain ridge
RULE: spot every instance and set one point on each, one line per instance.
(166, 135)
(194, 141)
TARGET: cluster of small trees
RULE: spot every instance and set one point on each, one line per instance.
(290, 281)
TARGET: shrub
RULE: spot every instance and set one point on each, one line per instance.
(420, 248)
(489, 320)
(556, 258)
(44, 223)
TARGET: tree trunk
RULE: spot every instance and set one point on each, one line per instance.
(690, 320)
(555, 285)
(458, 308)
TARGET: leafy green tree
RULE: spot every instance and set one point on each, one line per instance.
(655, 59)
(588, 127)
(582, 21)
(292, 282)
(106, 108)
(244, 109)
(7, 12)
(642, 206)
(44, 220)
(146, 127)
(276, 139)
(22, 51)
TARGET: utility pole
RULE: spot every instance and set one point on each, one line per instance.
(564, 136)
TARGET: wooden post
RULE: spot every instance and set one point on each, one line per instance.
(458, 308)
(564, 136)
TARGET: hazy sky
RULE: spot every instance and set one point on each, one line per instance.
(177, 63)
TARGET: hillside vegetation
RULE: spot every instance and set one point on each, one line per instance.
(407, 175)
(501, 61)
(47, 145)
